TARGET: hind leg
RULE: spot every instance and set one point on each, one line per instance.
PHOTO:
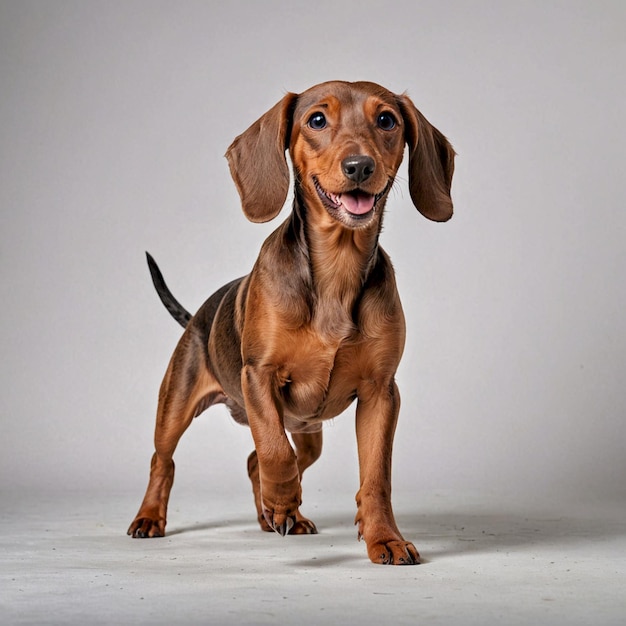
(187, 389)
(308, 449)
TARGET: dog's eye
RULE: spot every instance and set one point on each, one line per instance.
(317, 121)
(386, 121)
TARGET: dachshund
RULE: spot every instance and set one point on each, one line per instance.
(318, 323)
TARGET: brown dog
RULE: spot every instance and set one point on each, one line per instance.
(318, 322)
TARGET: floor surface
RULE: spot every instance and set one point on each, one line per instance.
(66, 559)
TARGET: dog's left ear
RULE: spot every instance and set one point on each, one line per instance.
(431, 164)
(258, 164)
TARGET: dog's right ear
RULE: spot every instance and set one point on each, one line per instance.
(258, 164)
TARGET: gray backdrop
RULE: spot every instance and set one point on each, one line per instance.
(114, 117)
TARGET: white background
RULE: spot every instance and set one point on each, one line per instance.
(114, 117)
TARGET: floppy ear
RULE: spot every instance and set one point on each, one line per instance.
(431, 164)
(258, 165)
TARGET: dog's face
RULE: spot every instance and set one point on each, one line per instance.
(347, 142)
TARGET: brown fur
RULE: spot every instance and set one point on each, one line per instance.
(318, 322)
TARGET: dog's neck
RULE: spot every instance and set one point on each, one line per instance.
(340, 261)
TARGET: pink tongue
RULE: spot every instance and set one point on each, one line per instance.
(357, 203)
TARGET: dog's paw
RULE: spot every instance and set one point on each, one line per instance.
(280, 502)
(393, 553)
(280, 522)
(144, 528)
(302, 526)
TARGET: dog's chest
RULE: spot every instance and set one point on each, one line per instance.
(316, 384)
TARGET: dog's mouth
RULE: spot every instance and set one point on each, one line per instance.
(356, 204)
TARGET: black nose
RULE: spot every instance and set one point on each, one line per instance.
(358, 168)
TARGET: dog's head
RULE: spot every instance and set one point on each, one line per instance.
(346, 142)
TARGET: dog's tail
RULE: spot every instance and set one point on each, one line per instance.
(175, 308)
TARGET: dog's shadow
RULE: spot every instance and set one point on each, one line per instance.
(443, 534)
(198, 527)
(488, 532)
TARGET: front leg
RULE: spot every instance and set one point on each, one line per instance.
(376, 417)
(277, 465)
